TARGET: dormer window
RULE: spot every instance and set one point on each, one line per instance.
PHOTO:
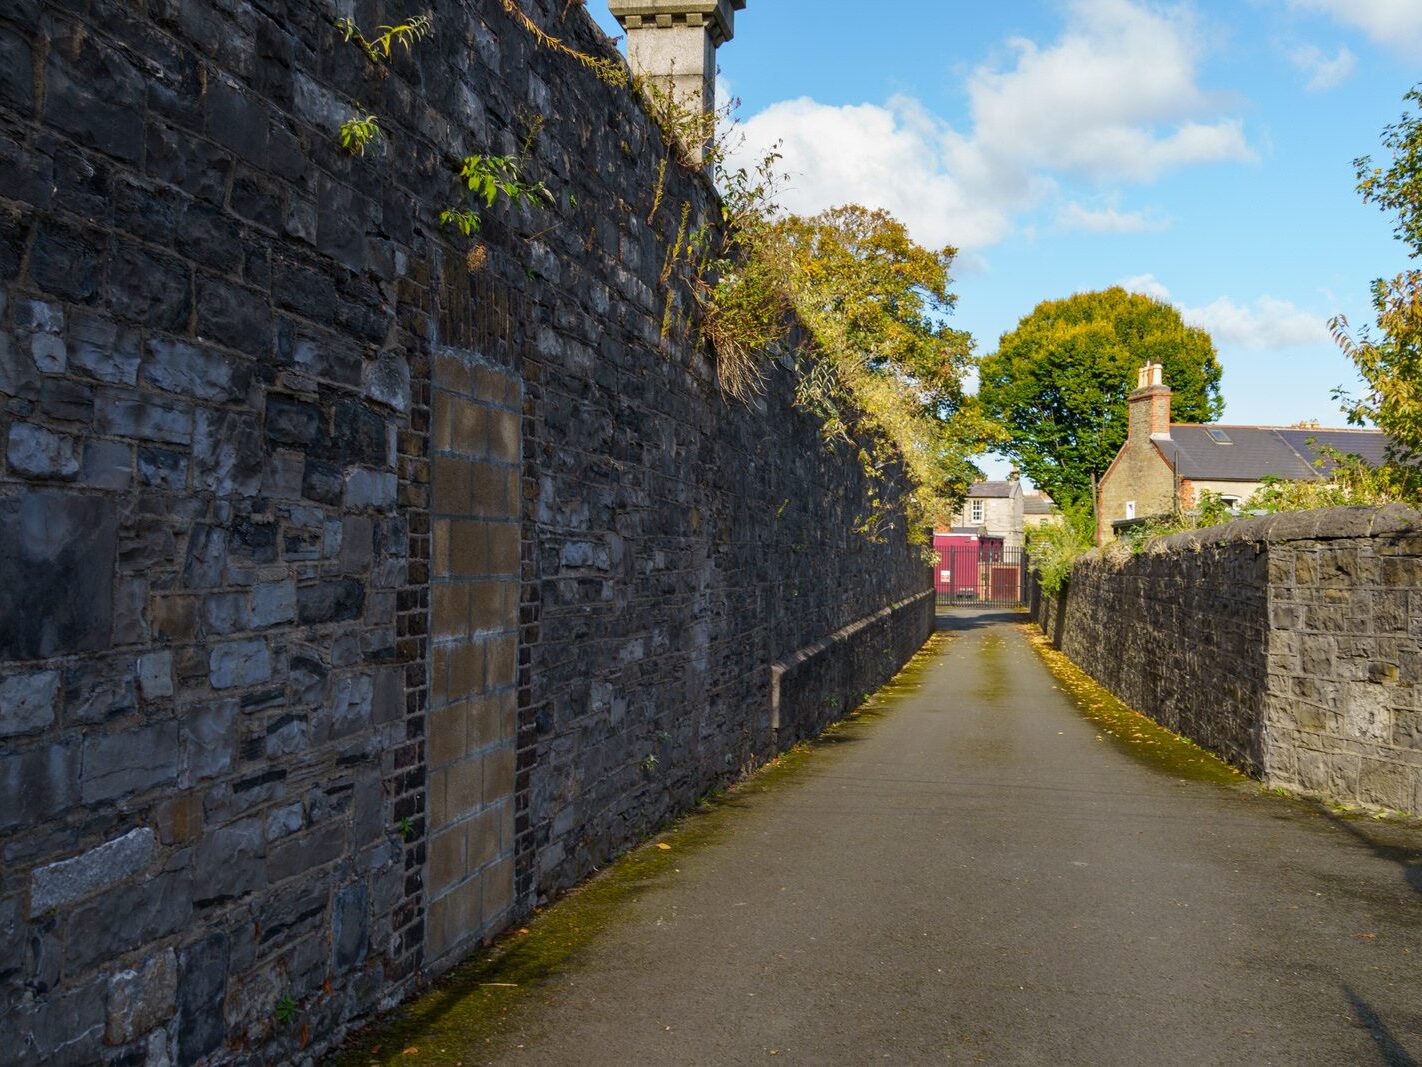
(1219, 437)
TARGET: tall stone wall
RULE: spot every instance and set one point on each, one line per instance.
(362, 585)
(1290, 646)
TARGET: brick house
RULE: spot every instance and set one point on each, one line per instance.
(1165, 466)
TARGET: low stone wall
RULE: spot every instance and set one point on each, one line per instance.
(1290, 646)
(825, 681)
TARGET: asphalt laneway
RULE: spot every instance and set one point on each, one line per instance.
(975, 876)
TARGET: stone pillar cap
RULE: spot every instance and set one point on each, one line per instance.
(717, 15)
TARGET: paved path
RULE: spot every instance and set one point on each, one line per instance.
(975, 877)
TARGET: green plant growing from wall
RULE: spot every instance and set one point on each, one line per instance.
(488, 178)
(358, 133)
(462, 219)
(285, 1010)
(378, 49)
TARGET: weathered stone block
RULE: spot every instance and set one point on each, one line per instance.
(369, 489)
(202, 986)
(273, 603)
(358, 436)
(131, 761)
(230, 862)
(28, 701)
(240, 663)
(192, 370)
(387, 381)
(295, 855)
(60, 884)
(67, 262)
(142, 999)
(330, 601)
(57, 554)
(34, 452)
(284, 821)
(50, 354)
(106, 465)
(1385, 784)
(149, 288)
(38, 783)
(350, 928)
(146, 418)
(209, 741)
(292, 422)
(101, 350)
(126, 916)
(233, 315)
(155, 675)
(65, 1029)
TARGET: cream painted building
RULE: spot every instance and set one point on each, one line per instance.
(993, 510)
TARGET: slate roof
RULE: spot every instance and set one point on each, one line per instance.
(1038, 504)
(1370, 444)
(1256, 452)
(992, 490)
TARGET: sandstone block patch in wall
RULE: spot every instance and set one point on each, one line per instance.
(475, 467)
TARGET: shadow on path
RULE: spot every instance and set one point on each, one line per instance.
(1372, 836)
(1393, 1054)
(963, 619)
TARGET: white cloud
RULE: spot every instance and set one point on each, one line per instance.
(1394, 23)
(898, 157)
(1115, 99)
(1147, 284)
(1108, 219)
(1267, 323)
(1324, 72)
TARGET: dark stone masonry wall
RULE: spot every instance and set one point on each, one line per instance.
(1290, 646)
(320, 661)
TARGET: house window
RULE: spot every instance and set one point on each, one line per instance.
(1130, 509)
(1219, 437)
(1230, 501)
(975, 509)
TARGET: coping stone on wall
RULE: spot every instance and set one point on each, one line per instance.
(1324, 524)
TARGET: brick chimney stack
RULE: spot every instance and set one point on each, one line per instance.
(1149, 405)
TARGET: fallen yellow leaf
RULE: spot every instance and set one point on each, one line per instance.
(663, 845)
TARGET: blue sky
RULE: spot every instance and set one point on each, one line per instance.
(1198, 151)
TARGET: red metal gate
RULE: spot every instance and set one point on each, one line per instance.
(978, 572)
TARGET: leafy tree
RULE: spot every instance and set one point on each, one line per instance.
(1390, 361)
(859, 267)
(1058, 382)
(875, 303)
